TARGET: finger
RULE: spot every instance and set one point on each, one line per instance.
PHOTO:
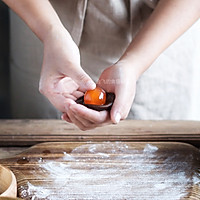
(65, 84)
(77, 94)
(58, 99)
(69, 96)
(121, 105)
(82, 79)
(74, 95)
(89, 114)
(65, 117)
(75, 121)
(86, 123)
(60, 102)
(115, 113)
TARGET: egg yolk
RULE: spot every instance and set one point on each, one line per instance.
(95, 97)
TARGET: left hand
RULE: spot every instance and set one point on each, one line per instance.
(119, 79)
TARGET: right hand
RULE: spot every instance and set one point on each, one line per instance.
(62, 79)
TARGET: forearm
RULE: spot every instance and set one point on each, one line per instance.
(39, 15)
(170, 19)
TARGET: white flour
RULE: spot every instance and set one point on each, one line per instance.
(113, 171)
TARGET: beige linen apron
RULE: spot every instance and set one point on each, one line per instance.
(103, 29)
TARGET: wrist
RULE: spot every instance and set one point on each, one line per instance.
(54, 32)
(133, 65)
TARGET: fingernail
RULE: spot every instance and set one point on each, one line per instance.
(117, 118)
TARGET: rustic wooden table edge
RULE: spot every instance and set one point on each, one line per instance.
(29, 132)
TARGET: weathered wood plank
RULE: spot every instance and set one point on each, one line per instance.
(6, 152)
(107, 170)
(29, 132)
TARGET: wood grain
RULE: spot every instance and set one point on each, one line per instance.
(108, 170)
(6, 152)
(29, 132)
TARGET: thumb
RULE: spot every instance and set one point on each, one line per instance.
(82, 79)
(121, 106)
(116, 111)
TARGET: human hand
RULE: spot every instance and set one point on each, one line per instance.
(119, 79)
(62, 79)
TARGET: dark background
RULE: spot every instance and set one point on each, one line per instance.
(4, 61)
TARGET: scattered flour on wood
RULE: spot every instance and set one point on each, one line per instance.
(112, 171)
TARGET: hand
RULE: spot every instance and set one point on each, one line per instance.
(86, 118)
(119, 79)
(62, 79)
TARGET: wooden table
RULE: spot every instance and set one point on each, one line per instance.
(107, 170)
(17, 135)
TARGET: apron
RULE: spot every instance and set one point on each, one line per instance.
(169, 89)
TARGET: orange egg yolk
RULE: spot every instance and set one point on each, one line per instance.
(95, 97)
